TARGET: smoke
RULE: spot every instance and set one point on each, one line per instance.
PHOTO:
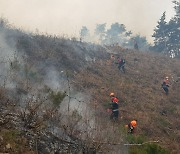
(6, 56)
(6, 51)
(74, 101)
(55, 80)
(67, 16)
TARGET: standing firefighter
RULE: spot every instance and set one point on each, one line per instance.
(131, 126)
(121, 64)
(112, 59)
(165, 85)
(136, 45)
(114, 107)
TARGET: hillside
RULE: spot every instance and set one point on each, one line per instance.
(55, 92)
(140, 93)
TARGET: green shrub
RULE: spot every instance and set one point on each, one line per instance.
(10, 135)
(46, 89)
(57, 97)
(15, 65)
(163, 122)
(32, 75)
(76, 115)
(148, 149)
(135, 139)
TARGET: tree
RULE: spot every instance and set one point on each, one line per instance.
(141, 41)
(84, 33)
(173, 44)
(177, 7)
(160, 35)
(115, 33)
(167, 35)
(100, 31)
(129, 33)
(174, 33)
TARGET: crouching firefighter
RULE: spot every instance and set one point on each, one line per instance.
(165, 85)
(114, 107)
(131, 126)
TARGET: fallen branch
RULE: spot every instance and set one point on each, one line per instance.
(126, 144)
(141, 143)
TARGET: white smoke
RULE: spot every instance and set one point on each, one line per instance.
(6, 57)
(55, 80)
(67, 16)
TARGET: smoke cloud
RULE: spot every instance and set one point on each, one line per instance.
(7, 53)
(67, 16)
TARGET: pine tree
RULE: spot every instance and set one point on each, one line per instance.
(174, 33)
(141, 42)
(84, 33)
(100, 31)
(177, 7)
(116, 33)
(167, 35)
(160, 35)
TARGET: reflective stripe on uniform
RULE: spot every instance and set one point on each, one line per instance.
(115, 110)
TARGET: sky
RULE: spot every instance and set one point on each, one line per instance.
(66, 17)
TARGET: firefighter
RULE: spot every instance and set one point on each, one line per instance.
(165, 85)
(114, 107)
(112, 59)
(121, 65)
(136, 45)
(131, 126)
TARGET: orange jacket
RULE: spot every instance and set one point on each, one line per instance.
(166, 81)
(115, 100)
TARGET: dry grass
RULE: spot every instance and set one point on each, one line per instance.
(139, 92)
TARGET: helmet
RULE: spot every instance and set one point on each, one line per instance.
(111, 94)
(167, 78)
(133, 123)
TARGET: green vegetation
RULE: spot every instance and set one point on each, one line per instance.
(148, 149)
(76, 116)
(144, 147)
(166, 35)
(163, 122)
(57, 97)
(10, 135)
(12, 141)
(135, 139)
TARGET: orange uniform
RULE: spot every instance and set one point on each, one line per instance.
(132, 126)
(166, 81)
(115, 100)
(114, 107)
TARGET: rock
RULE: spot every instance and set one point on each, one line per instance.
(8, 146)
(1, 138)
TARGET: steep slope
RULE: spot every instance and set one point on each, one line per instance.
(56, 90)
(140, 93)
